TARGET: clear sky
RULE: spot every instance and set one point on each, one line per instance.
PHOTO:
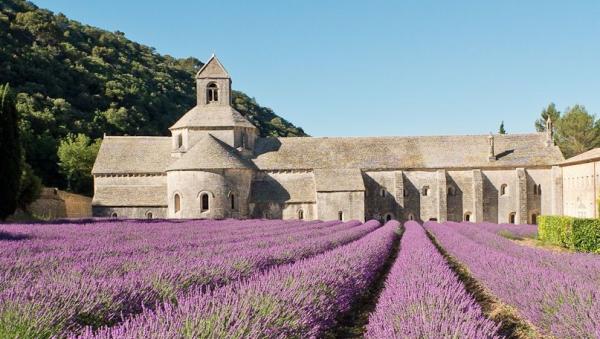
(366, 68)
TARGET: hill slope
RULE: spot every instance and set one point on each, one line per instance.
(74, 78)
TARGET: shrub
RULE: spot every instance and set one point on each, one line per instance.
(574, 233)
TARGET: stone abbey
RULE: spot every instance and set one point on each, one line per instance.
(215, 165)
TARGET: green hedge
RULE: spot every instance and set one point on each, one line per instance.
(574, 233)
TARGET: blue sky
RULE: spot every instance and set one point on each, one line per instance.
(366, 68)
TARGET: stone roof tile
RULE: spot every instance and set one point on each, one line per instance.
(338, 179)
(468, 151)
(119, 155)
(130, 195)
(209, 153)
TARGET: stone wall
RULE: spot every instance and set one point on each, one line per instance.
(55, 204)
(350, 204)
(580, 189)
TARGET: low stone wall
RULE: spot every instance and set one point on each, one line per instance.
(56, 204)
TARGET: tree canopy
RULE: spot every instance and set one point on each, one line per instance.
(72, 78)
(575, 131)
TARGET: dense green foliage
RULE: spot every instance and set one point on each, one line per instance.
(10, 153)
(77, 154)
(575, 132)
(30, 187)
(574, 233)
(73, 78)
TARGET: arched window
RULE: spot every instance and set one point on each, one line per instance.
(232, 200)
(512, 217)
(204, 202)
(114, 215)
(467, 216)
(388, 217)
(451, 191)
(179, 141)
(340, 215)
(537, 189)
(425, 191)
(177, 203)
(300, 214)
(212, 93)
(149, 215)
(504, 189)
(382, 192)
(411, 216)
(405, 193)
(534, 218)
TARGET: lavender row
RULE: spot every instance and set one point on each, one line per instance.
(299, 300)
(57, 303)
(557, 292)
(423, 298)
(508, 230)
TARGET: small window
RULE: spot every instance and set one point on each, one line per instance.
(512, 217)
(388, 217)
(114, 215)
(212, 93)
(232, 200)
(177, 203)
(425, 191)
(411, 216)
(300, 214)
(504, 189)
(451, 191)
(204, 202)
(179, 140)
(340, 215)
(405, 193)
(149, 215)
(467, 216)
(537, 189)
(382, 192)
(534, 219)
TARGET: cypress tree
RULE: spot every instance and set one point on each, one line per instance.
(10, 153)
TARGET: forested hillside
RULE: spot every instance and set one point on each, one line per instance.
(73, 79)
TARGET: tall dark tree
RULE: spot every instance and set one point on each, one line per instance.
(550, 111)
(10, 153)
(501, 130)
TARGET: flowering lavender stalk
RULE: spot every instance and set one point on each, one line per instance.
(70, 276)
(506, 230)
(300, 300)
(423, 298)
(557, 292)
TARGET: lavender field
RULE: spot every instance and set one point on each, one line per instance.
(280, 279)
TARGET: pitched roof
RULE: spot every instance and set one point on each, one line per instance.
(133, 155)
(130, 195)
(285, 188)
(212, 69)
(212, 116)
(512, 150)
(592, 154)
(209, 153)
(339, 179)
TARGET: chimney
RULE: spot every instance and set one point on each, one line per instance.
(549, 132)
(491, 154)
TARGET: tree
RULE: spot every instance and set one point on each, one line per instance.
(77, 154)
(10, 153)
(577, 131)
(550, 111)
(501, 130)
(30, 188)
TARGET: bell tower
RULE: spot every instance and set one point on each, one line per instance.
(213, 114)
(213, 84)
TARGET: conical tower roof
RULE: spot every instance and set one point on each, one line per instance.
(210, 153)
(212, 116)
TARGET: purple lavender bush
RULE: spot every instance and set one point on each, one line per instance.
(65, 277)
(299, 300)
(423, 298)
(557, 292)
